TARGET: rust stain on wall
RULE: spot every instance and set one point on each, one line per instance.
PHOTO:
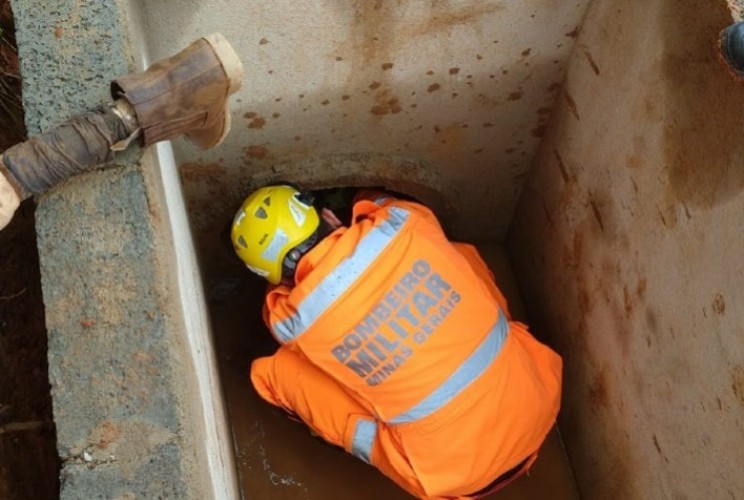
(572, 106)
(371, 39)
(598, 391)
(256, 151)
(596, 212)
(641, 285)
(719, 304)
(385, 102)
(656, 445)
(640, 152)
(538, 131)
(633, 161)
(589, 59)
(628, 300)
(257, 122)
(737, 382)
(211, 174)
(443, 17)
(651, 109)
(652, 322)
(448, 142)
(390, 107)
(105, 434)
(561, 166)
(377, 30)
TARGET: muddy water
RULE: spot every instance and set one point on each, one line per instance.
(277, 457)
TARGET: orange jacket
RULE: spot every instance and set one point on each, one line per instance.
(397, 346)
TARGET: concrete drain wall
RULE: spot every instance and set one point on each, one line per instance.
(465, 89)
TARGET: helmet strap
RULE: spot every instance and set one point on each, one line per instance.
(289, 264)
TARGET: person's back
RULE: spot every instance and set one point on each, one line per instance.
(396, 345)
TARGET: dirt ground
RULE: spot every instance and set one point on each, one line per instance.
(11, 110)
(29, 466)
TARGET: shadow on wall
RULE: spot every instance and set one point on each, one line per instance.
(610, 274)
(703, 103)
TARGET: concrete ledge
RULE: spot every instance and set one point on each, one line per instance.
(111, 357)
(68, 52)
(130, 421)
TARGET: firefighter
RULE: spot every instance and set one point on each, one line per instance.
(395, 343)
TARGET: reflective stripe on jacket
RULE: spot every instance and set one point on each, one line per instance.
(406, 333)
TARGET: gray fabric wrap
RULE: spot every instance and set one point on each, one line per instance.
(79, 144)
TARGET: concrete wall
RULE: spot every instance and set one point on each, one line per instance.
(463, 87)
(628, 244)
(626, 239)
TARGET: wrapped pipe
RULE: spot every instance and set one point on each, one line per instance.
(79, 144)
(185, 94)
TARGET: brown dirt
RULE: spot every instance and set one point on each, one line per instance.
(29, 466)
(11, 110)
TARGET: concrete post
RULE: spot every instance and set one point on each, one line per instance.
(121, 367)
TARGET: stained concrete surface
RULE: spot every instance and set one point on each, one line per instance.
(68, 50)
(627, 244)
(464, 86)
(111, 365)
(277, 457)
(624, 242)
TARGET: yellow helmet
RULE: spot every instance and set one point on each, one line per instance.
(271, 222)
